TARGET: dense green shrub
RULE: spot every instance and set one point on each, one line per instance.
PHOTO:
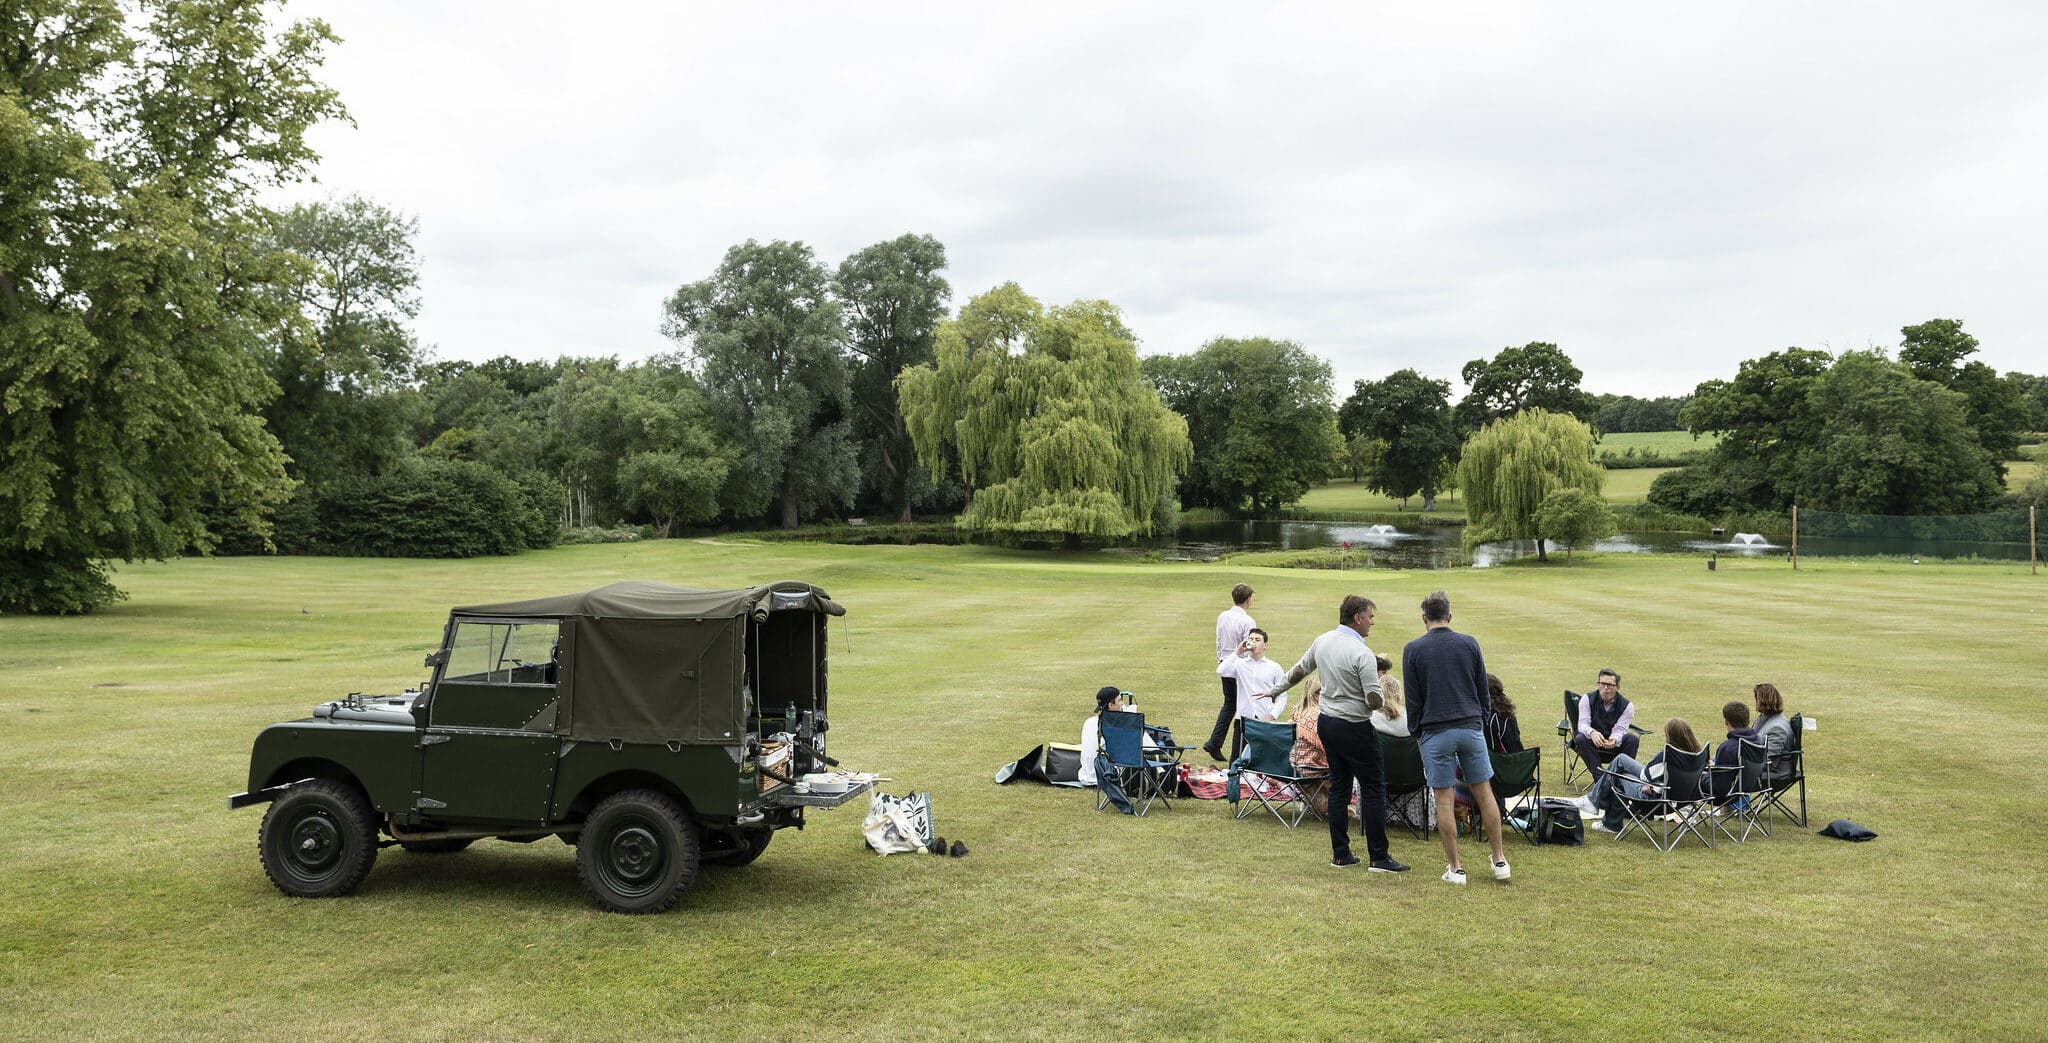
(426, 507)
(54, 584)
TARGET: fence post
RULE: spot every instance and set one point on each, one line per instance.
(1795, 537)
(2033, 543)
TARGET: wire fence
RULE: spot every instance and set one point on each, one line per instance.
(1997, 535)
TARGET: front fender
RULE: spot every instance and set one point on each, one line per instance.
(382, 760)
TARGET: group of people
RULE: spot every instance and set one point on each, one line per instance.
(1459, 714)
(1604, 741)
(1453, 707)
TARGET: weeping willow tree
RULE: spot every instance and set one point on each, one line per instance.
(1045, 414)
(1512, 464)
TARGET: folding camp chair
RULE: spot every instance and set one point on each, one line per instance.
(1574, 768)
(1681, 805)
(1401, 764)
(1786, 770)
(1275, 783)
(1739, 792)
(1515, 774)
(1140, 771)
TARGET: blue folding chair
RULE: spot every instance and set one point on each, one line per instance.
(1269, 757)
(1141, 773)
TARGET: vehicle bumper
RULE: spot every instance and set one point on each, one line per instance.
(262, 796)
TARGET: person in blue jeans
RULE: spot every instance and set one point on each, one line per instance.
(1445, 678)
(1634, 779)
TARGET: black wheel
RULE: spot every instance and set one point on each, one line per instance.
(742, 849)
(637, 853)
(318, 840)
(442, 846)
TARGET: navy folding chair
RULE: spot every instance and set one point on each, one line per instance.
(1141, 772)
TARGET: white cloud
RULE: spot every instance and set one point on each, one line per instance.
(1662, 193)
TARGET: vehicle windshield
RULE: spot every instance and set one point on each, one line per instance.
(504, 653)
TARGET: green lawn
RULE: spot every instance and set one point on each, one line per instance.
(132, 904)
(1667, 442)
(2019, 472)
(1345, 497)
(1629, 484)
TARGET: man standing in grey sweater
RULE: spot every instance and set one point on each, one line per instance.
(1444, 676)
(1351, 692)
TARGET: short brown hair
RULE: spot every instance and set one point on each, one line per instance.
(1768, 701)
(1436, 608)
(1352, 605)
(1240, 594)
(1736, 714)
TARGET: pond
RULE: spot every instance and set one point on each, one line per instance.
(1439, 547)
(1436, 547)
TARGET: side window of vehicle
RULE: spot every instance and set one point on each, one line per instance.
(505, 653)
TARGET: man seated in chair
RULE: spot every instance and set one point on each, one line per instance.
(1727, 767)
(1107, 698)
(1603, 723)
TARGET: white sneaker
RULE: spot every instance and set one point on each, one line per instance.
(1585, 803)
(1500, 870)
(1598, 826)
(1454, 876)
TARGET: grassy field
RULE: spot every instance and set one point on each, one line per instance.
(2019, 472)
(1665, 442)
(132, 904)
(1345, 497)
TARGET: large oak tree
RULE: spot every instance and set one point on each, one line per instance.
(136, 283)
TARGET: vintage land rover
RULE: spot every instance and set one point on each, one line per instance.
(654, 727)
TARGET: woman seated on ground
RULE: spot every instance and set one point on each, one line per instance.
(1771, 724)
(1503, 731)
(1391, 718)
(1630, 778)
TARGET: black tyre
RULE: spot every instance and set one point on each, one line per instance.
(318, 840)
(442, 846)
(742, 849)
(637, 853)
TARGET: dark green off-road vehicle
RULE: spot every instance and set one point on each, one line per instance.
(654, 727)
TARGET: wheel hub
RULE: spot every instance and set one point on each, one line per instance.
(634, 855)
(316, 842)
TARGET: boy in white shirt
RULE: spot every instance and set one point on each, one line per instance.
(1255, 675)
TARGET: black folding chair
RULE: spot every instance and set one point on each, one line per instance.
(1681, 805)
(1515, 774)
(1786, 770)
(1740, 793)
(1401, 763)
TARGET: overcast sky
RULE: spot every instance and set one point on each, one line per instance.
(1661, 192)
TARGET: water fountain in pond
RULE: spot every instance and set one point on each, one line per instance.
(1748, 538)
(1382, 530)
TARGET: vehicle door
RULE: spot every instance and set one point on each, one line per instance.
(489, 748)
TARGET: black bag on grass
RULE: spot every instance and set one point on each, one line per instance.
(1843, 829)
(1557, 822)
